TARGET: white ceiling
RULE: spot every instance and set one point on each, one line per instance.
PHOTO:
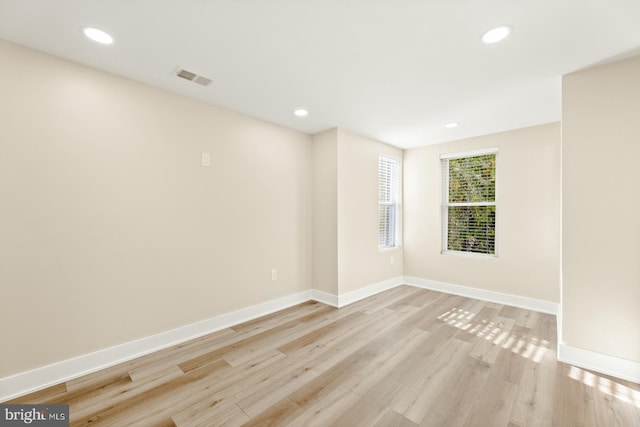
(393, 70)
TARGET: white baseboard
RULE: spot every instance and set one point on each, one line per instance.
(325, 298)
(603, 363)
(376, 288)
(357, 295)
(46, 376)
(485, 295)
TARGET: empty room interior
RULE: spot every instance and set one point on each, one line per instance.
(331, 213)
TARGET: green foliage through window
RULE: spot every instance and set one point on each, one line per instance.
(469, 204)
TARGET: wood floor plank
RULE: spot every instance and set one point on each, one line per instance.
(456, 398)
(475, 327)
(393, 419)
(464, 314)
(151, 363)
(212, 415)
(327, 328)
(494, 337)
(263, 343)
(326, 406)
(211, 346)
(608, 409)
(331, 378)
(575, 402)
(512, 359)
(224, 389)
(360, 370)
(402, 358)
(527, 318)
(494, 405)
(510, 312)
(536, 398)
(417, 399)
(166, 398)
(303, 369)
(84, 404)
(405, 372)
(440, 308)
(296, 374)
(371, 407)
(280, 385)
(282, 413)
(388, 300)
(418, 297)
(381, 364)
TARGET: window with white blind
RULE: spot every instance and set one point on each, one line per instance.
(388, 202)
(469, 202)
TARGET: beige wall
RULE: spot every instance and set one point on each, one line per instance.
(325, 211)
(111, 230)
(528, 216)
(360, 263)
(601, 208)
(345, 213)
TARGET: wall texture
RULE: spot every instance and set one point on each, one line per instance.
(528, 215)
(325, 211)
(111, 230)
(600, 228)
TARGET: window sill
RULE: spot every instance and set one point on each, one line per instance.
(470, 254)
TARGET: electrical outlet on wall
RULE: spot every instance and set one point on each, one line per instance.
(391, 259)
(274, 273)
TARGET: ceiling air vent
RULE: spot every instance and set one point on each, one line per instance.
(201, 80)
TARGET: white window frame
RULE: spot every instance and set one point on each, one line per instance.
(446, 204)
(395, 201)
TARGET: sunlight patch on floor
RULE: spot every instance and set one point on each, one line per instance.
(607, 386)
(533, 349)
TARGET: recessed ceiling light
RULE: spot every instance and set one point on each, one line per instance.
(301, 112)
(496, 34)
(98, 36)
(451, 125)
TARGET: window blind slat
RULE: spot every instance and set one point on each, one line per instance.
(388, 193)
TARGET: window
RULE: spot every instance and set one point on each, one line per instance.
(469, 202)
(388, 198)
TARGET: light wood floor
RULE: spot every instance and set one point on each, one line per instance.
(405, 357)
